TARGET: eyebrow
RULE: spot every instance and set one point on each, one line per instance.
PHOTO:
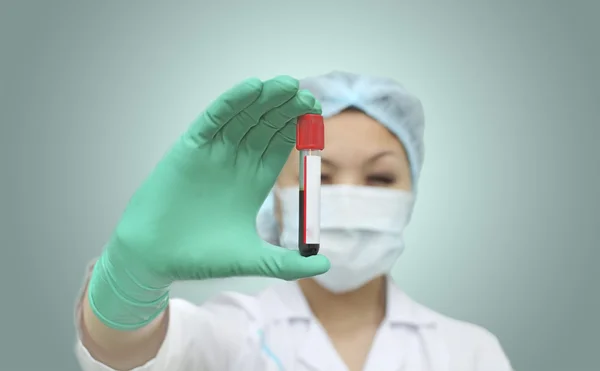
(379, 155)
(371, 159)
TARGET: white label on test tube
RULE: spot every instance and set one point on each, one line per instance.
(312, 198)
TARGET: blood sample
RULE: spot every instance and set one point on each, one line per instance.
(310, 141)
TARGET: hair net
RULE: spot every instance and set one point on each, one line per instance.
(382, 99)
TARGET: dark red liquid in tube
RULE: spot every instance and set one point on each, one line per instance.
(306, 249)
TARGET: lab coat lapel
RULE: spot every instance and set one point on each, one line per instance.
(407, 327)
(438, 358)
(406, 340)
(389, 349)
(317, 352)
(313, 350)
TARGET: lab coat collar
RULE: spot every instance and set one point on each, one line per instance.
(286, 302)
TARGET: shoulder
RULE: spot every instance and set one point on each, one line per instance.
(467, 335)
(235, 307)
(215, 334)
(471, 343)
(463, 331)
(250, 312)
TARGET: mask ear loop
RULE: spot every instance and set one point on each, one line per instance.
(267, 225)
(277, 216)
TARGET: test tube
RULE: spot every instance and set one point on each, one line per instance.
(310, 141)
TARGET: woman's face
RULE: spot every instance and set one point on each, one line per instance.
(358, 151)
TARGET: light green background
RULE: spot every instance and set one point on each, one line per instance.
(505, 230)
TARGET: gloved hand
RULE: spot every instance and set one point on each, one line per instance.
(194, 217)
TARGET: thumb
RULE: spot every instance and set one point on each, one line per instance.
(279, 262)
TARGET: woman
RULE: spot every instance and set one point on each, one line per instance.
(194, 218)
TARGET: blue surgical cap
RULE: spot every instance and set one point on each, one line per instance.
(383, 99)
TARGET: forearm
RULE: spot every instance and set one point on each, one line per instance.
(121, 350)
(122, 325)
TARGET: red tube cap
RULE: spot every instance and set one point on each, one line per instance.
(310, 132)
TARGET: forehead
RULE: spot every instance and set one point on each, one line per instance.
(352, 140)
(354, 132)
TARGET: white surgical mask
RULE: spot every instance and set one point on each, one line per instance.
(361, 231)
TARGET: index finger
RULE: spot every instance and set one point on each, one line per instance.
(224, 108)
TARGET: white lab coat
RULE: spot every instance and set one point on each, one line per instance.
(275, 331)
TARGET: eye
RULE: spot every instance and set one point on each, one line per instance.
(325, 179)
(381, 180)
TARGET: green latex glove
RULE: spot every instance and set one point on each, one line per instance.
(194, 217)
